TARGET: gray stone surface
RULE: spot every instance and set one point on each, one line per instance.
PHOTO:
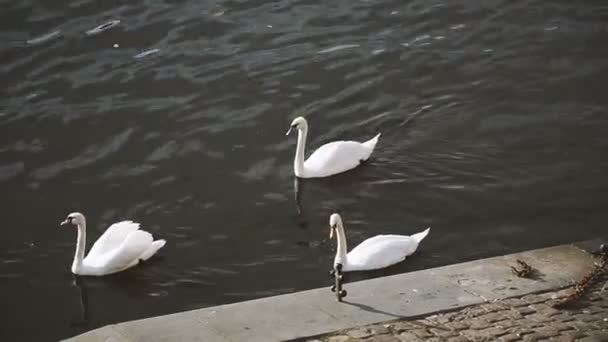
(315, 312)
(535, 319)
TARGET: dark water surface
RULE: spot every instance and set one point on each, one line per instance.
(493, 120)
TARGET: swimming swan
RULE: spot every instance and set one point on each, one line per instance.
(376, 252)
(331, 158)
(122, 246)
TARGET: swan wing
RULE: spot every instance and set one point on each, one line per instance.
(112, 238)
(380, 251)
(336, 157)
(127, 254)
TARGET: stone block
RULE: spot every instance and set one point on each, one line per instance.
(339, 338)
(597, 336)
(359, 333)
(457, 325)
(409, 337)
(525, 310)
(510, 338)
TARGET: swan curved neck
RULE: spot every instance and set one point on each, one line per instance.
(341, 248)
(298, 163)
(80, 247)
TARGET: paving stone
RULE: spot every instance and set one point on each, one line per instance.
(523, 331)
(359, 333)
(339, 338)
(588, 317)
(479, 323)
(548, 331)
(408, 336)
(379, 330)
(476, 311)
(457, 325)
(385, 338)
(574, 334)
(493, 317)
(443, 332)
(602, 324)
(537, 317)
(422, 333)
(511, 314)
(492, 307)
(436, 339)
(525, 310)
(477, 335)
(597, 336)
(530, 318)
(533, 299)
(403, 326)
(580, 326)
(458, 339)
(564, 327)
(563, 317)
(510, 338)
(496, 331)
(545, 309)
(441, 319)
(514, 302)
(509, 323)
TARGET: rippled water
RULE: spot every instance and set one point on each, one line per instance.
(173, 113)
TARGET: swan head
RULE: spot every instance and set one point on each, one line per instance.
(334, 221)
(76, 219)
(298, 123)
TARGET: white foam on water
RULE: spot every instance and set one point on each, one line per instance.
(146, 53)
(43, 38)
(105, 26)
(338, 48)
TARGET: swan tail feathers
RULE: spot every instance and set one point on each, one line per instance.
(154, 247)
(420, 236)
(371, 143)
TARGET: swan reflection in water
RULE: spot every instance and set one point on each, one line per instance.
(83, 302)
(297, 190)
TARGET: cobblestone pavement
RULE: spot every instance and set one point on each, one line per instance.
(528, 318)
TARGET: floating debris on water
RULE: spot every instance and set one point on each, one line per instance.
(43, 38)
(103, 27)
(115, 46)
(146, 53)
(421, 38)
(339, 47)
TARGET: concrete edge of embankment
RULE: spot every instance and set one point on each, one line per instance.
(315, 312)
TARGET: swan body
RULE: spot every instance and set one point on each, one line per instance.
(376, 252)
(123, 245)
(331, 158)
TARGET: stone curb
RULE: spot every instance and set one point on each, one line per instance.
(408, 295)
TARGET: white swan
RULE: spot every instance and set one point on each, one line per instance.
(376, 252)
(331, 158)
(122, 246)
